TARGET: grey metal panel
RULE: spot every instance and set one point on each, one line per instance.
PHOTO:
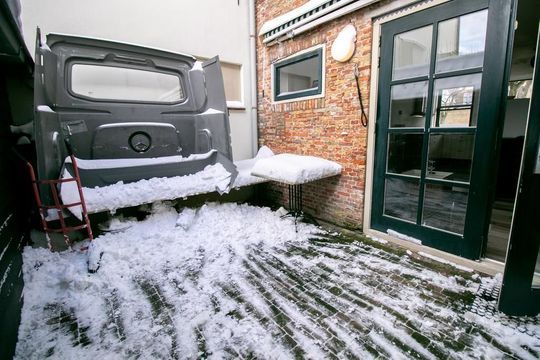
(135, 140)
(218, 125)
(92, 178)
(99, 129)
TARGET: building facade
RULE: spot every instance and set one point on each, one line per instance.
(427, 105)
(328, 125)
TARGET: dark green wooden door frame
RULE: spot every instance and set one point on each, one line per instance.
(490, 119)
(518, 297)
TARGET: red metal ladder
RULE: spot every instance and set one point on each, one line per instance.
(58, 206)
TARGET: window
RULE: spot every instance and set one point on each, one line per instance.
(125, 84)
(232, 80)
(299, 76)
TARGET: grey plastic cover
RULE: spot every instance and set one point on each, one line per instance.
(114, 100)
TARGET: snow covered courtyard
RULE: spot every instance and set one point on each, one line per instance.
(238, 281)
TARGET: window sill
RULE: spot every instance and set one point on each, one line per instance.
(235, 105)
(306, 98)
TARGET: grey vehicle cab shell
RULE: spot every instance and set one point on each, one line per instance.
(113, 100)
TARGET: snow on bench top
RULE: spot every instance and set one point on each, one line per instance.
(244, 168)
(120, 195)
(295, 169)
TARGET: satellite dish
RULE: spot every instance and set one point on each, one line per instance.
(344, 44)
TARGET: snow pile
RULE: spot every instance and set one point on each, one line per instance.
(244, 167)
(403, 236)
(120, 195)
(157, 287)
(186, 218)
(295, 169)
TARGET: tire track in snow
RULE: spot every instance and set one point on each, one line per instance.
(162, 313)
(317, 319)
(116, 323)
(311, 295)
(329, 297)
(251, 312)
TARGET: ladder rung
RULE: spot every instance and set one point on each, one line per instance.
(61, 206)
(66, 229)
(54, 181)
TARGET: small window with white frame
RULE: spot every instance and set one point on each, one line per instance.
(299, 76)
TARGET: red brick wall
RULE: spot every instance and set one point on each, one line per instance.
(328, 127)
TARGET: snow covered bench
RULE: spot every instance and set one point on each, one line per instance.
(294, 171)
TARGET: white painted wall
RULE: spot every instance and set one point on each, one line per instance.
(203, 28)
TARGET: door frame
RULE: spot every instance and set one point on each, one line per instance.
(518, 296)
(481, 174)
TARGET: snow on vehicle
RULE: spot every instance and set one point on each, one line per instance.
(130, 113)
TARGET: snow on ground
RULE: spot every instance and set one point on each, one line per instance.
(295, 169)
(238, 281)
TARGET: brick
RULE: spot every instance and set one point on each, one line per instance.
(328, 127)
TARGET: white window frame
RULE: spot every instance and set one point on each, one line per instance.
(299, 53)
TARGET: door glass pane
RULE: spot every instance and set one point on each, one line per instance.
(401, 198)
(450, 156)
(412, 50)
(461, 42)
(445, 207)
(455, 101)
(408, 105)
(405, 153)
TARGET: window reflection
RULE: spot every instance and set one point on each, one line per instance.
(405, 153)
(461, 42)
(455, 101)
(401, 199)
(445, 207)
(450, 156)
(408, 105)
(412, 50)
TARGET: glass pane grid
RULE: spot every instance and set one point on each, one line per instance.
(436, 94)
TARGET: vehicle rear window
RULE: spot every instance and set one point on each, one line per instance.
(125, 84)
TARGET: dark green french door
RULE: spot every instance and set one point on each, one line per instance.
(520, 292)
(441, 82)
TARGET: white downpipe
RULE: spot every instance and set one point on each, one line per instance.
(253, 78)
